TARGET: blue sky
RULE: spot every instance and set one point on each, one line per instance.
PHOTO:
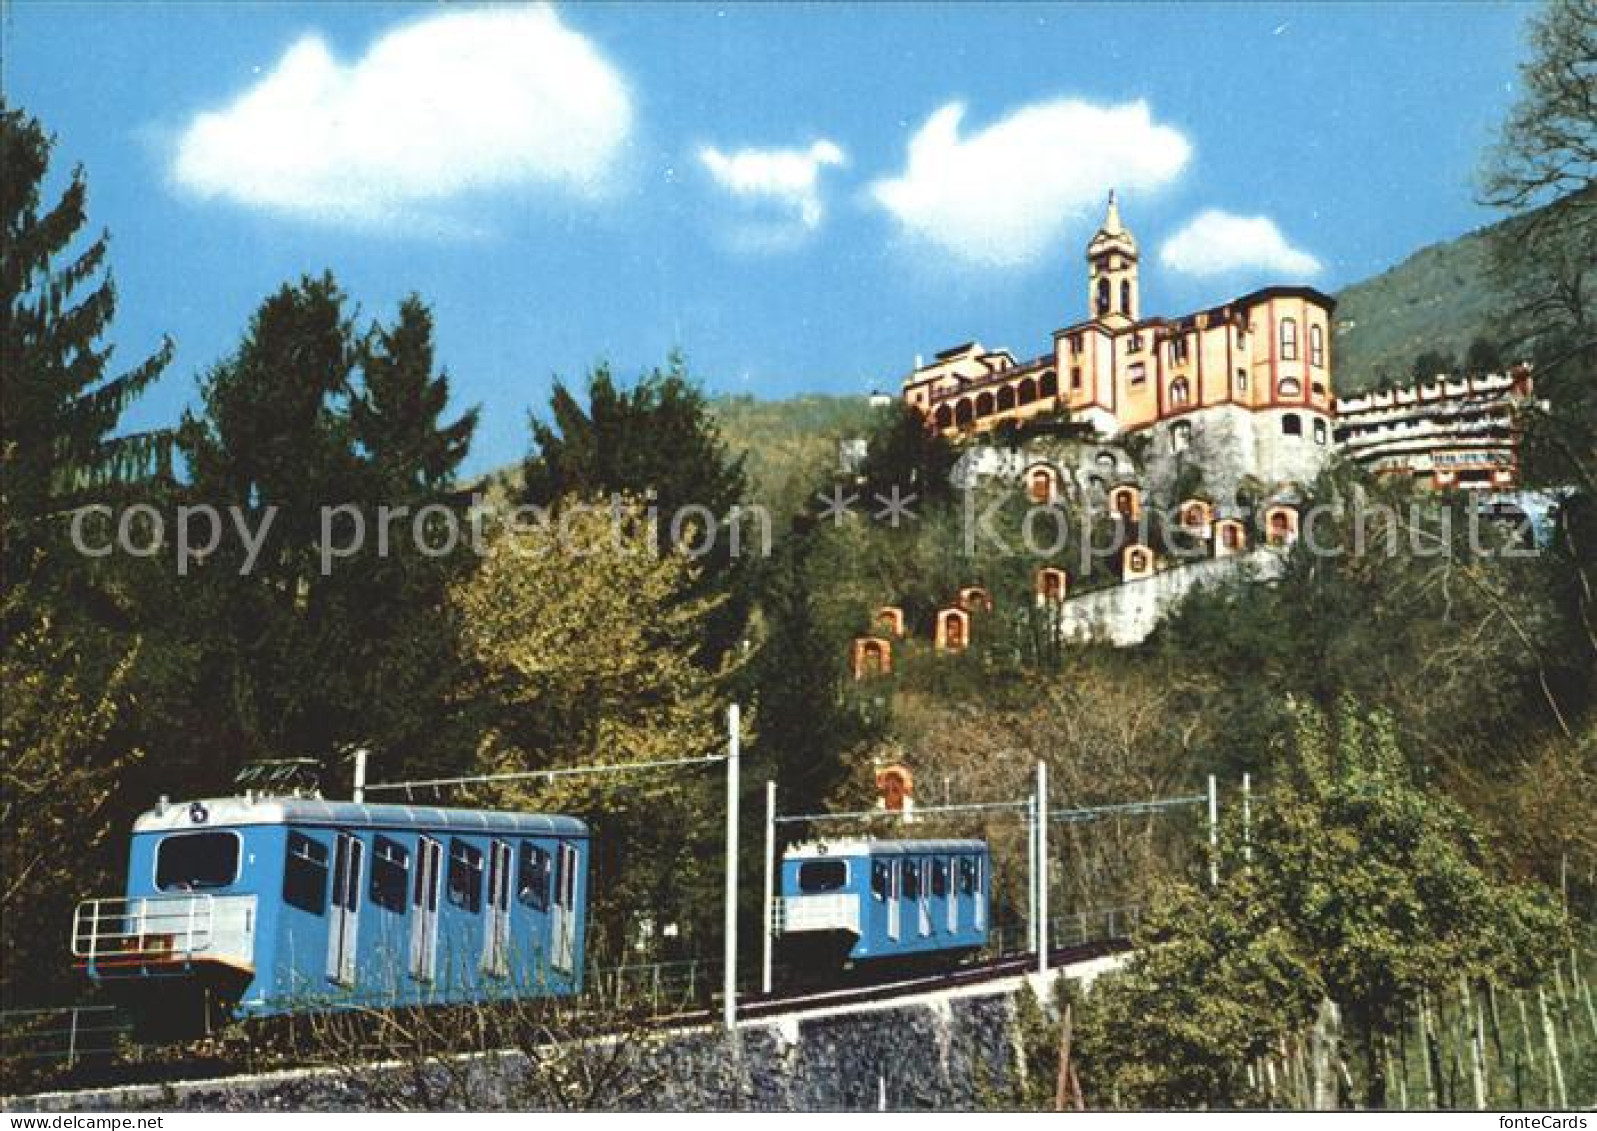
(801, 198)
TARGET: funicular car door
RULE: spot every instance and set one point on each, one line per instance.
(950, 868)
(923, 904)
(496, 932)
(563, 911)
(424, 909)
(344, 922)
(895, 888)
(980, 863)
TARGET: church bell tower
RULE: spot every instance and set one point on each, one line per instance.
(1112, 272)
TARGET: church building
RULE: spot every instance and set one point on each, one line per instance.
(1248, 382)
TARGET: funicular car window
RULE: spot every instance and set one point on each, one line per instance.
(390, 874)
(305, 874)
(967, 875)
(822, 875)
(880, 880)
(940, 877)
(465, 875)
(192, 861)
(533, 874)
(912, 879)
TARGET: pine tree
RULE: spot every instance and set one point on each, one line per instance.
(397, 414)
(408, 662)
(656, 441)
(274, 439)
(59, 406)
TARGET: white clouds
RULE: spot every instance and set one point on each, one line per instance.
(789, 179)
(1218, 243)
(1003, 196)
(465, 101)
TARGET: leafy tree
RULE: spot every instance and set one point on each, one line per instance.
(1359, 885)
(59, 404)
(1431, 364)
(1548, 148)
(1544, 171)
(1483, 356)
(581, 637)
(59, 773)
(904, 453)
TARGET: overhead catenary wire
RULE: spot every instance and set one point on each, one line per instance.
(526, 775)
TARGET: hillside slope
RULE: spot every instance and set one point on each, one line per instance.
(1439, 298)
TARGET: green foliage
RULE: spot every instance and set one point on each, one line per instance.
(581, 651)
(905, 454)
(59, 771)
(298, 652)
(788, 446)
(1438, 299)
(1357, 885)
(659, 442)
(60, 407)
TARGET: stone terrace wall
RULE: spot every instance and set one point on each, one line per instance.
(953, 1052)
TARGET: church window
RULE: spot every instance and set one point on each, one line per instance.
(1242, 337)
(1316, 345)
(1075, 378)
(1290, 387)
(1291, 424)
(1075, 343)
(1103, 296)
(1178, 349)
(1138, 373)
(1242, 380)
(1125, 296)
(1180, 392)
(1289, 339)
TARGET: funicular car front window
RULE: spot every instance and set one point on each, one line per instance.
(192, 861)
(822, 875)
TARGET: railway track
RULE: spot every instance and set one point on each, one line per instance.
(93, 1077)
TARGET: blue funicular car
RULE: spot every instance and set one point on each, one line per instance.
(262, 905)
(874, 905)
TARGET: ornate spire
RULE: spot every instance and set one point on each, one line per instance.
(1111, 221)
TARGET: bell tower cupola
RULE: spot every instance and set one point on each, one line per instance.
(1112, 271)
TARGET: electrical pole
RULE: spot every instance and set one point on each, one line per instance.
(1247, 818)
(1214, 834)
(768, 920)
(1042, 867)
(730, 957)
